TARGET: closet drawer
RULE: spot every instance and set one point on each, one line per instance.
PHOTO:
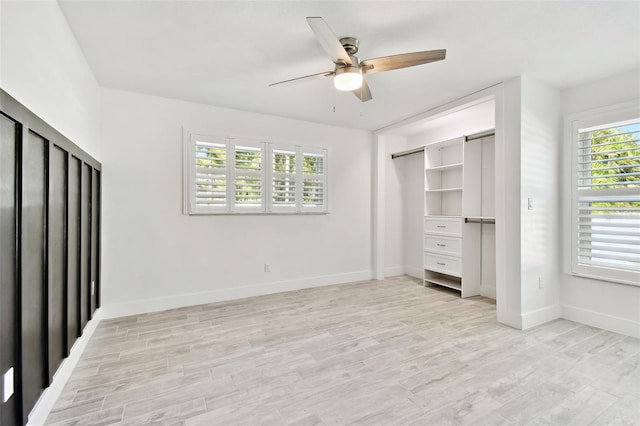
(443, 245)
(443, 225)
(442, 263)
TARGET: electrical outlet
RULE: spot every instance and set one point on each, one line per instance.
(267, 267)
(7, 385)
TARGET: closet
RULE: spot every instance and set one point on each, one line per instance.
(49, 253)
(459, 218)
(439, 212)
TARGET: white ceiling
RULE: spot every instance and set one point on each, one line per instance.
(226, 53)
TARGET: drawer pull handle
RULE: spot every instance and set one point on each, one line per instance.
(441, 226)
(441, 245)
(441, 264)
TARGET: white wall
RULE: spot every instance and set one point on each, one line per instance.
(602, 304)
(152, 251)
(42, 66)
(413, 212)
(540, 241)
(507, 180)
(466, 124)
(394, 182)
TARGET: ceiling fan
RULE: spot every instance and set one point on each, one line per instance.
(349, 71)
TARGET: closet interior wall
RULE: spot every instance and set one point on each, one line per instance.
(50, 253)
(484, 152)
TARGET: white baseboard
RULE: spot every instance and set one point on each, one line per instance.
(232, 293)
(540, 316)
(413, 271)
(488, 291)
(393, 271)
(50, 395)
(600, 320)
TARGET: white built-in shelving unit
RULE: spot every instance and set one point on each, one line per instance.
(454, 212)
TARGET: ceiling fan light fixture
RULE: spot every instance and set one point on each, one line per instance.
(348, 79)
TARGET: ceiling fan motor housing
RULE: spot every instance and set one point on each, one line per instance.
(350, 44)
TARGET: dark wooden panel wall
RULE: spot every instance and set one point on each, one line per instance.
(49, 253)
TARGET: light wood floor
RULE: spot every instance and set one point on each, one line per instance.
(376, 352)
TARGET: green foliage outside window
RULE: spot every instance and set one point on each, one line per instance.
(612, 152)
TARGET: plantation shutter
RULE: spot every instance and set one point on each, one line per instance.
(227, 175)
(314, 181)
(607, 210)
(248, 172)
(209, 175)
(284, 179)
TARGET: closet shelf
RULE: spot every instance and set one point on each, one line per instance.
(443, 168)
(443, 190)
(445, 282)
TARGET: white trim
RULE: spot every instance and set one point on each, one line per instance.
(231, 293)
(464, 102)
(393, 271)
(186, 171)
(597, 319)
(319, 152)
(47, 400)
(540, 316)
(416, 272)
(488, 291)
(378, 207)
(266, 175)
(572, 124)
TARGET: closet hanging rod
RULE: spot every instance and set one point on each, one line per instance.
(479, 220)
(480, 135)
(404, 153)
(472, 137)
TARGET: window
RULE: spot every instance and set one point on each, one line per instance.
(313, 180)
(229, 175)
(210, 175)
(284, 177)
(605, 228)
(247, 176)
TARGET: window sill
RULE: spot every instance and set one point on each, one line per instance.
(259, 214)
(609, 280)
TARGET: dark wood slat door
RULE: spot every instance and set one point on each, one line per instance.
(85, 246)
(95, 226)
(73, 242)
(49, 253)
(57, 260)
(10, 133)
(33, 293)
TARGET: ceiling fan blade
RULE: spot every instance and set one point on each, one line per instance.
(363, 93)
(394, 62)
(329, 41)
(306, 77)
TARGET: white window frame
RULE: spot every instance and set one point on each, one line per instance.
(266, 175)
(190, 206)
(232, 145)
(275, 208)
(321, 177)
(572, 124)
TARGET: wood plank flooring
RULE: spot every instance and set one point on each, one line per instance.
(372, 353)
